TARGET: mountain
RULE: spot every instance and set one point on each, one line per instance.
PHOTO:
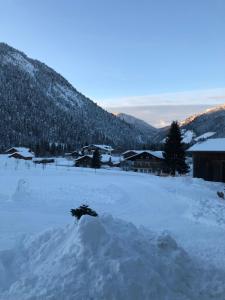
(38, 104)
(139, 124)
(211, 120)
(210, 123)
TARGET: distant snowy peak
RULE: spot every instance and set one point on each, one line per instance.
(137, 123)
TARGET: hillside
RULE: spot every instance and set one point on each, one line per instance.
(210, 123)
(211, 120)
(139, 124)
(39, 104)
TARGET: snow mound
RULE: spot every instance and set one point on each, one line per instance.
(104, 258)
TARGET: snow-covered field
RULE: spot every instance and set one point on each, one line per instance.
(107, 258)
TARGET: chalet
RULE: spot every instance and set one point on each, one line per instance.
(145, 161)
(17, 149)
(209, 159)
(103, 149)
(129, 153)
(20, 153)
(84, 161)
(106, 160)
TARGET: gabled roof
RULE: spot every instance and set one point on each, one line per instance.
(211, 145)
(25, 154)
(103, 147)
(18, 149)
(82, 157)
(158, 154)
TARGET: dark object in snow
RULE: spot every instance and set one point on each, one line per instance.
(83, 210)
(44, 161)
(220, 195)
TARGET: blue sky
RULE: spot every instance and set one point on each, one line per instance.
(115, 51)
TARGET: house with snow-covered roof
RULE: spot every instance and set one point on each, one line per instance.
(145, 161)
(209, 159)
(17, 149)
(20, 153)
(103, 149)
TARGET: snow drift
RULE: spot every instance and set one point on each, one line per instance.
(104, 258)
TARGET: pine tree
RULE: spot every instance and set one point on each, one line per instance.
(174, 151)
(96, 160)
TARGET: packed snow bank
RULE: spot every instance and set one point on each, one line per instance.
(104, 258)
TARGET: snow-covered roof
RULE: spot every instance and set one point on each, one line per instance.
(103, 147)
(211, 145)
(24, 153)
(19, 149)
(104, 158)
(158, 154)
(130, 151)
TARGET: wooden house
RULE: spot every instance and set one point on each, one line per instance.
(103, 149)
(20, 153)
(84, 161)
(145, 162)
(17, 149)
(23, 156)
(209, 159)
(129, 153)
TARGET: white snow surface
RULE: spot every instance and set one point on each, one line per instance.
(205, 136)
(104, 257)
(188, 136)
(209, 145)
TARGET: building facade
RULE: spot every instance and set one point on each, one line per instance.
(209, 160)
(144, 162)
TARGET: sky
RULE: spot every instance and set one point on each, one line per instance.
(127, 54)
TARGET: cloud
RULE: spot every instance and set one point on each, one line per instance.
(195, 97)
(160, 115)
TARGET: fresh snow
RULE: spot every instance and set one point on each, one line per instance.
(104, 257)
(204, 136)
(188, 136)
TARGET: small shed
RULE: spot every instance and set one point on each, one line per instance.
(209, 159)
